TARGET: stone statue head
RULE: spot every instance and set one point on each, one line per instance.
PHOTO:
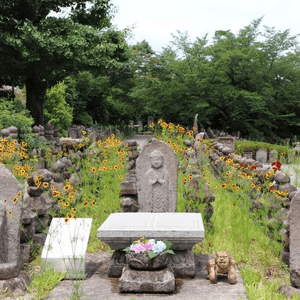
(157, 159)
(223, 259)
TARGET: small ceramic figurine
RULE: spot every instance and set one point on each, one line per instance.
(222, 264)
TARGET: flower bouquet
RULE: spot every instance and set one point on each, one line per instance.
(149, 254)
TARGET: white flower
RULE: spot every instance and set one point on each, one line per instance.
(159, 247)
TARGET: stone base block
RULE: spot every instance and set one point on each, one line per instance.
(183, 264)
(116, 264)
(162, 281)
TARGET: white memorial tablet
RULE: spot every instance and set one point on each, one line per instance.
(65, 246)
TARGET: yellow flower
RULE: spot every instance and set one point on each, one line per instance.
(15, 200)
(93, 169)
(184, 179)
(67, 220)
(253, 185)
(9, 213)
(237, 188)
(66, 204)
(216, 187)
(83, 132)
(74, 210)
(45, 184)
(93, 202)
(55, 194)
(85, 203)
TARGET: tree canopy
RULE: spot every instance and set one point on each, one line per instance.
(39, 49)
(247, 82)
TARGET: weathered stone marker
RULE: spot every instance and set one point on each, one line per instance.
(10, 213)
(157, 178)
(66, 245)
(261, 156)
(227, 141)
(295, 241)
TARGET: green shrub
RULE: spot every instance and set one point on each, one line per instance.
(12, 113)
(251, 146)
(57, 110)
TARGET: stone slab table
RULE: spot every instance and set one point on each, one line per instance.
(184, 230)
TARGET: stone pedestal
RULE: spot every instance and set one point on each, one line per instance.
(184, 230)
(161, 281)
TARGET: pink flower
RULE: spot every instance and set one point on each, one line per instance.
(148, 246)
(137, 248)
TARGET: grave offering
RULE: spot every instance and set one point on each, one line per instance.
(157, 176)
(221, 264)
(66, 245)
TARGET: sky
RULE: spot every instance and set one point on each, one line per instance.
(155, 20)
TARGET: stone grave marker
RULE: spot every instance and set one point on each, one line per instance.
(273, 156)
(157, 176)
(247, 155)
(261, 156)
(10, 214)
(65, 246)
(227, 141)
(294, 221)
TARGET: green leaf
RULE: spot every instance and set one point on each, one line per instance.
(151, 254)
(168, 244)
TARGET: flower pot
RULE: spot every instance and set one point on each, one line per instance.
(141, 261)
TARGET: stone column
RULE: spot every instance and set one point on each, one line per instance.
(295, 241)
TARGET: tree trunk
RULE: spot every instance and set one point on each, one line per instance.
(35, 98)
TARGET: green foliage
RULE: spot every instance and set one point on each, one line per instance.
(252, 146)
(43, 283)
(39, 49)
(245, 82)
(57, 111)
(14, 114)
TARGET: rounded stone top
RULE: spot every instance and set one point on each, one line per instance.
(5, 132)
(156, 153)
(13, 129)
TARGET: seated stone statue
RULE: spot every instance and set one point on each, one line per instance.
(221, 264)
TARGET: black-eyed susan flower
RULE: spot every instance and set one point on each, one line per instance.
(55, 193)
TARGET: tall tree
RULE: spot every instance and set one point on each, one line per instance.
(39, 48)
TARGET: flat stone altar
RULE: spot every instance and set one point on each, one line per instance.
(184, 230)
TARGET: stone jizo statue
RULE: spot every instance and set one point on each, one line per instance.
(157, 178)
(221, 264)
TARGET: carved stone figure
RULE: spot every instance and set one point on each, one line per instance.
(158, 180)
(221, 264)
